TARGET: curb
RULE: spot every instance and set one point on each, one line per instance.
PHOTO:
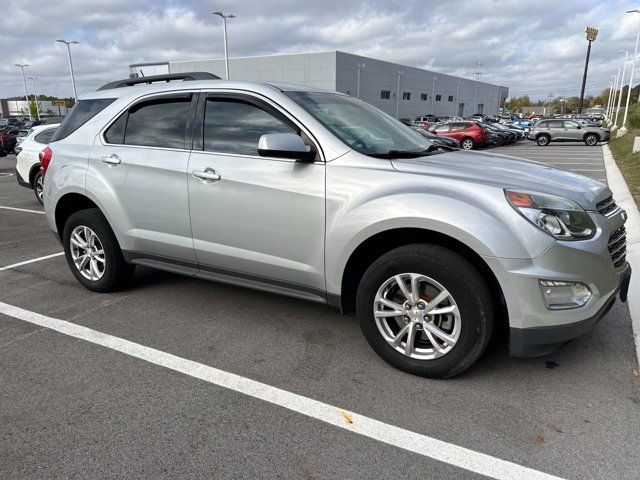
(624, 199)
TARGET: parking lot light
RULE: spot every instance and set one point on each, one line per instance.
(610, 98)
(24, 81)
(224, 28)
(624, 70)
(592, 33)
(633, 67)
(73, 79)
(613, 96)
(615, 93)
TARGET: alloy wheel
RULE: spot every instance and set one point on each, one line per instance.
(417, 316)
(40, 187)
(87, 253)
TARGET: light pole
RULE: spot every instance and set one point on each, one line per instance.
(613, 96)
(475, 100)
(73, 79)
(224, 27)
(433, 93)
(24, 81)
(35, 95)
(624, 70)
(592, 33)
(633, 67)
(400, 72)
(610, 98)
(359, 65)
(456, 108)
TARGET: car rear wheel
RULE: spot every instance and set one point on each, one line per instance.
(591, 139)
(425, 310)
(38, 186)
(93, 253)
(543, 140)
(467, 144)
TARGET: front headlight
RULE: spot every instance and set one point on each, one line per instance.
(560, 217)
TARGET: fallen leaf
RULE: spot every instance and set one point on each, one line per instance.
(539, 439)
(635, 373)
(346, 415)
(556, 428)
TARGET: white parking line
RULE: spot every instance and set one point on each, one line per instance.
(411, 441)
(22, 210)
(26, 262)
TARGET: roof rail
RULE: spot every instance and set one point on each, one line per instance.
(159, 78)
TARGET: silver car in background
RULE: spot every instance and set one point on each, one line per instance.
(323, 197)
(562, 130)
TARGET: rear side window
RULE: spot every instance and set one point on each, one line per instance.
(159, 122)
(45, 137)
(556, 124)
(84, 111)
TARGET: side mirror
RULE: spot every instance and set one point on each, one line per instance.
(285, 145)
(579, 127)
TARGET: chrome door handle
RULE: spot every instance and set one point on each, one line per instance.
(112, 159)
(207, 175)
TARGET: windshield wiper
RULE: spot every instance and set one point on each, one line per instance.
(391, 154)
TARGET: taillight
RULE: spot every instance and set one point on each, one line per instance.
(45, 158)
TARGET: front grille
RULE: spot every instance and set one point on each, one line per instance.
(606, 206)
(618, 246)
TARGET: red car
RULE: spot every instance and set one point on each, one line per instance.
(468, 134)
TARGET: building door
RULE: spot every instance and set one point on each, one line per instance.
(480, 108)
(461, 109)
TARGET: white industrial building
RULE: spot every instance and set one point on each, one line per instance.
(20, 108)
(399, 90)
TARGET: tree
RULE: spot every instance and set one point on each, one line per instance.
(33, 108)
(515, 104)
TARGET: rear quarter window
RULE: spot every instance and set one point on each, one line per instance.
(83, 111)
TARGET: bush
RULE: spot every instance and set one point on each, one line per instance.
(633, 118)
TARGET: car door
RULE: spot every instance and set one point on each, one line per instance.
(138, 164)
(256, 219)
(572, 130)
(556, 130)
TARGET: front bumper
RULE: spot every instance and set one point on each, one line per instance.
(535, 329)
(538, 341)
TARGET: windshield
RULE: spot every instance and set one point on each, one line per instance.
(360, 125)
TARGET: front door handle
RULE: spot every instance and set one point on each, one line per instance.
(112, 159)
(207, 175)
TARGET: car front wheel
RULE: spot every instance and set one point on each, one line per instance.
(591, 140)
(425, 310)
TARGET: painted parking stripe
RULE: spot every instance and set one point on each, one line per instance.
(22, 210)
(27, 262)
(411, 441)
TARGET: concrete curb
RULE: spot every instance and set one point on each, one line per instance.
(624, 199)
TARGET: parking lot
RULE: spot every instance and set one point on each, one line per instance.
(171, 389)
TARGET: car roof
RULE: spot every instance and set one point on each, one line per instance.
(143, 89)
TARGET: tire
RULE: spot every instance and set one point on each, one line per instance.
(113, 273)
(38, 187)
(469, 297)
(467, 143)
(543, 140)
(591, 139)
(500, 142)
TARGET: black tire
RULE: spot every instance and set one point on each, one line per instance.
(591, 139)
(543, 140)
(454, 273)
(500, 142)
(117, 272)
(38, 187)
(467, 143)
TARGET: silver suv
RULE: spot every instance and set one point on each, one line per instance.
(320, 196)
(547, 131)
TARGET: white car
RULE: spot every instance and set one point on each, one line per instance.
(28, 161)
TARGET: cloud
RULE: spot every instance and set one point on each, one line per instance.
(535, 48)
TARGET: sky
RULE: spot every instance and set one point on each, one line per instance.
(535, 48)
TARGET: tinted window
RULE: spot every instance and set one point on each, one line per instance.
(232, 126)
(555, 124)
(570, 124)
(115, 133)
(81, 113)
(45, 137)
(158, 123)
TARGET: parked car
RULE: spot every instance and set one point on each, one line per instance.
(515, 133)
(28, 163)
(321, 196)
(547, 131)
(469, 134)
(438, 140)
(499, 137)
(8, 136)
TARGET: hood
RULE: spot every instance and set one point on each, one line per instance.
(504, 171)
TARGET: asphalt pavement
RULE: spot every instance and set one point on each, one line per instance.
(70, 408)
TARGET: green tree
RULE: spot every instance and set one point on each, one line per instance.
(33, 108)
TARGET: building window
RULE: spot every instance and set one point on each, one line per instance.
(406, 96)
(423, 97)
(385, 94)
(438, 98)
(451, 98)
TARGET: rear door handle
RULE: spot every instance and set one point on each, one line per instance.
(112, 159)
(207, 175)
